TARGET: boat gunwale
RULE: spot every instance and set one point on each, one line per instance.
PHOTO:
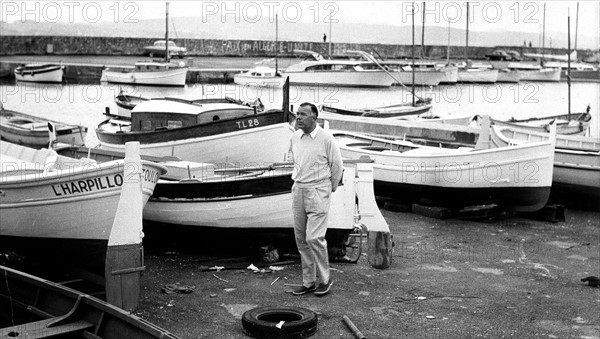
(87, 299)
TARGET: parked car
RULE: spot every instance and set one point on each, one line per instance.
(503, 55)
(158, 49)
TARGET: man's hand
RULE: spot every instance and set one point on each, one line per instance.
(333, 188)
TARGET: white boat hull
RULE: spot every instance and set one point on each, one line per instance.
(576, 158)
(265, 212)
(54, 76)
(577, 168)
(511, 76)
(248, 80)
(478, 75)
(170, 77)
(422, 78)
(548, 74)
(255, 146)
(78, 203)
(519, 177)
(343, 79)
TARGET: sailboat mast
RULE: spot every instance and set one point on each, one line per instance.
(544, 32)
(330, 19)
(569, 62)
(276, 45)
(448, 46)
(413, 53)
(576, 26)
(467, 39)
(423, 34)
(167, 33)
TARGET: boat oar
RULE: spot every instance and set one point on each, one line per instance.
(289, 164)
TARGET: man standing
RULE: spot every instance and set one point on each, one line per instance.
(317, 171)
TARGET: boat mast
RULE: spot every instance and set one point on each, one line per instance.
(423, 34)
(330, 14)
(448, 46)
(276, 46)
(576, 26)
(467, 39)
(167, 33)
(544, 32)
(569, 62)
(413, 53)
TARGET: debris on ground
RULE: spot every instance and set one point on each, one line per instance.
(176, 288)
(592, 281)
(216, 276)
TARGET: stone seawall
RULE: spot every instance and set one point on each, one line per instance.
(78, 45)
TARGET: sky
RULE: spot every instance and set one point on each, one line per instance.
(524, 16)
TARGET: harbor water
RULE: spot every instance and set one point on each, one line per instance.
(86, 104)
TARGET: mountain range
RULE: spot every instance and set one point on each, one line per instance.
(194, 28)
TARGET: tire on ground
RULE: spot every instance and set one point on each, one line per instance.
(261, 322)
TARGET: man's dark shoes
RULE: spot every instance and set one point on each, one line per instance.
(303, 289)
(323, 289)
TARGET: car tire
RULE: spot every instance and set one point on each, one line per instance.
(261, 322)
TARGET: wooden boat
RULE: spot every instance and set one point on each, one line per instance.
(50, 201)
(241, 199)
(517, 178)
(40, 73)
(149, 73)
(576, 160)
(575, 123)
(212, 195)
(533, 72)
(126, 102)
(261, 76)
(157, 73)
(204, 130)
(398, 110)
(25, 129)
(32, 307)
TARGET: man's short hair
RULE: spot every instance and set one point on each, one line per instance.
(313, 108)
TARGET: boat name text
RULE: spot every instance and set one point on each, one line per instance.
(88, 185)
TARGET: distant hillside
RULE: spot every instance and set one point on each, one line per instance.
(192, 27)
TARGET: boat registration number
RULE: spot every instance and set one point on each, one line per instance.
(248, 123)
